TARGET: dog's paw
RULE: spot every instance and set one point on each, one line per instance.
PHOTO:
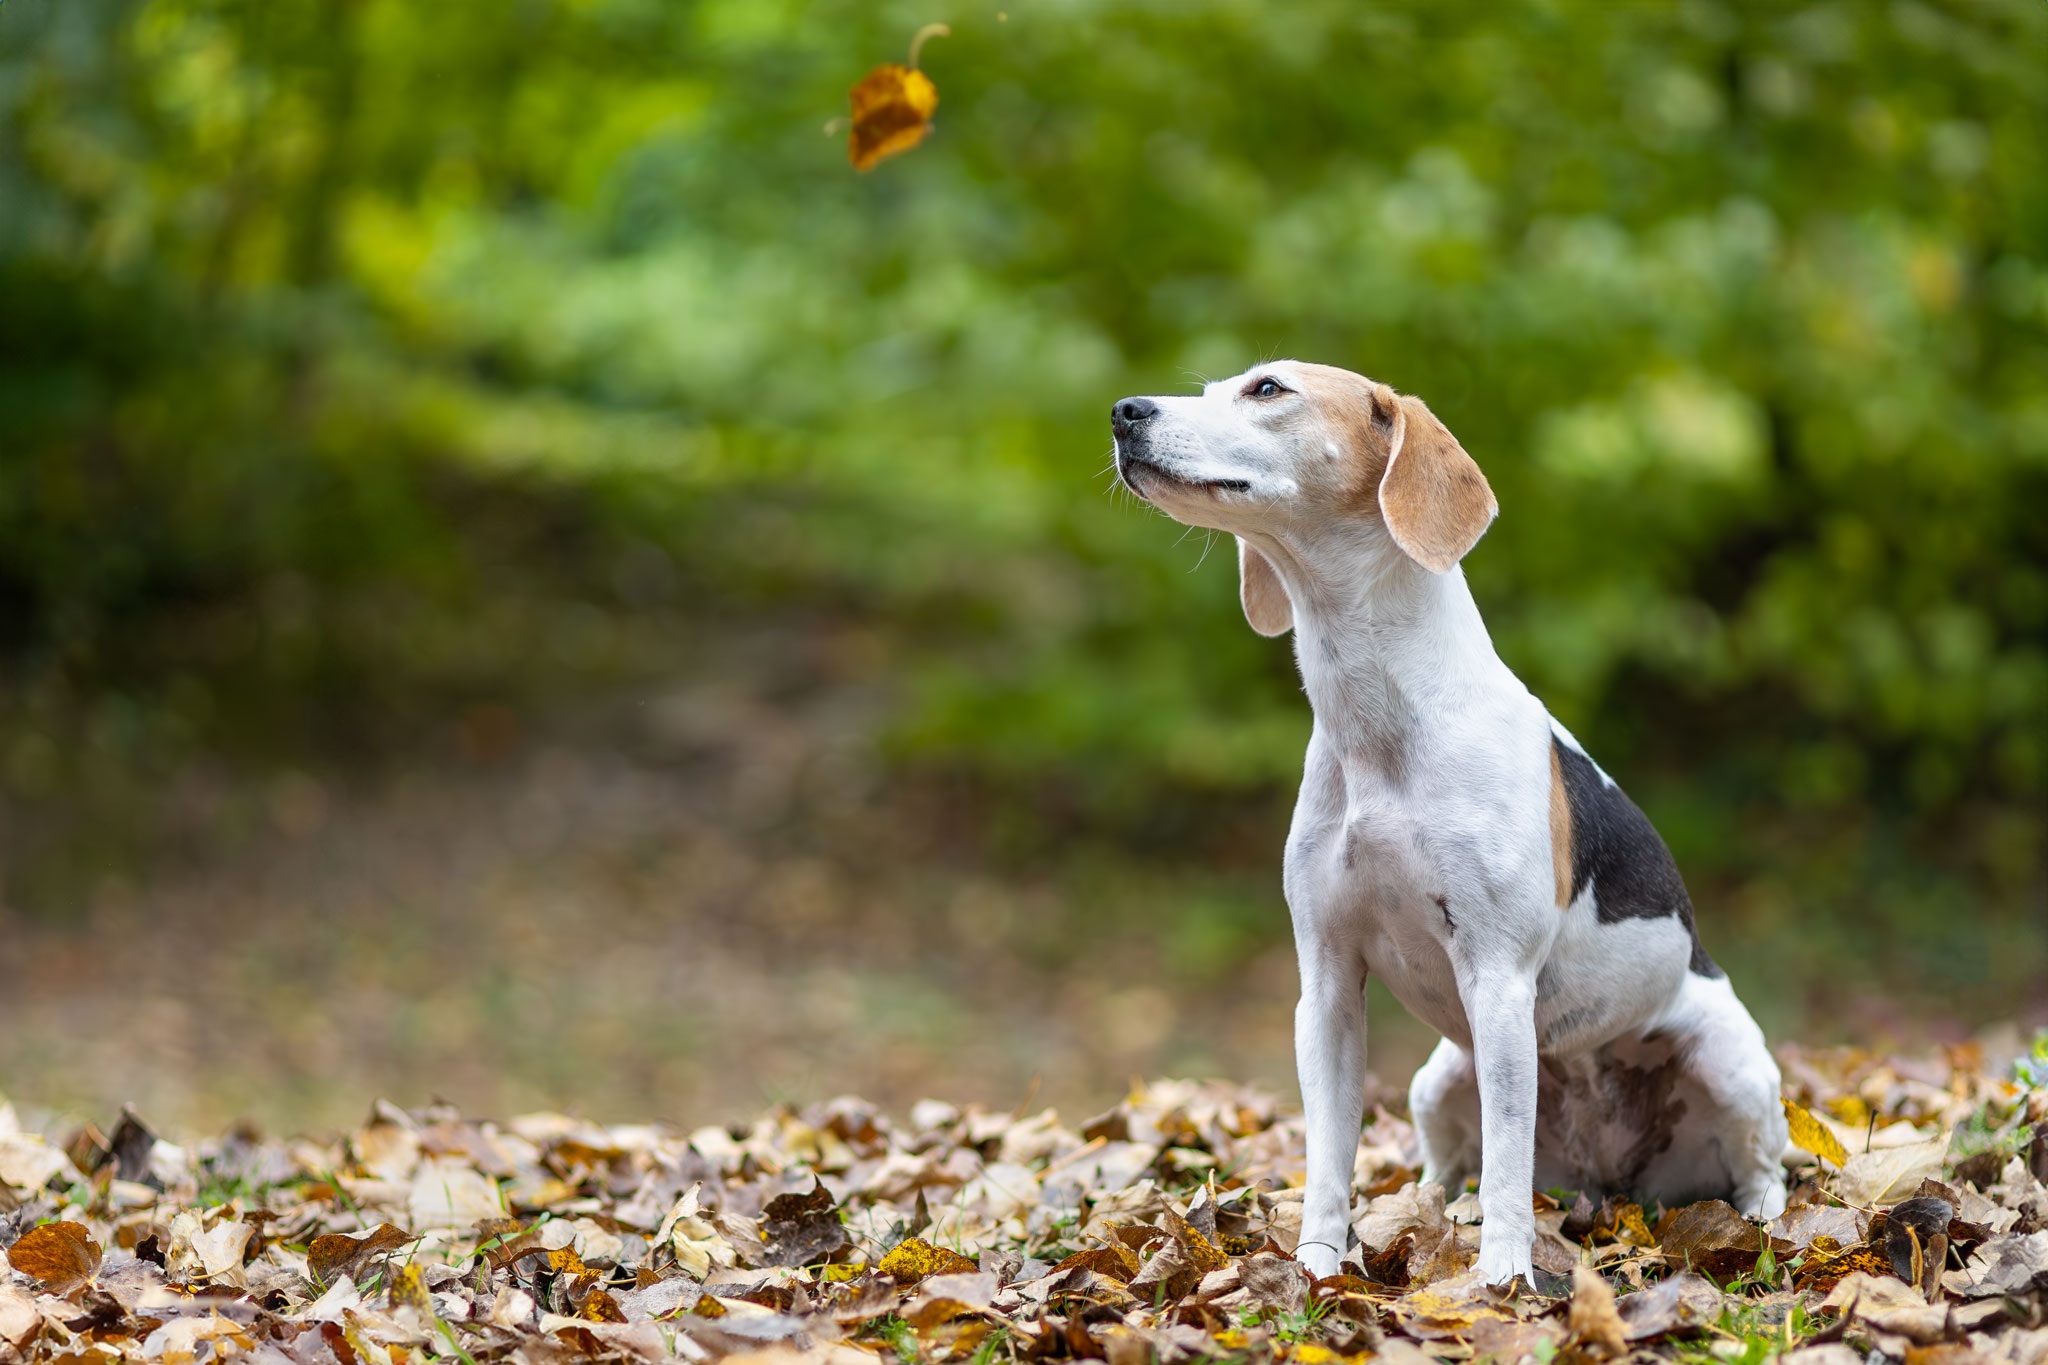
(1500, 1263)
(1318, 1258)
(1763, 1199)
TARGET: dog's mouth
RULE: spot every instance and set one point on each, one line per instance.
(1130, 466)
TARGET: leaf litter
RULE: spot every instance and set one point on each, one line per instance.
(1161, 1231)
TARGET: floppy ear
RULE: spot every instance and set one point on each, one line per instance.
(1433, 498)
(1265, 600)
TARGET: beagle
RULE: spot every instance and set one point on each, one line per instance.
(1453, 838)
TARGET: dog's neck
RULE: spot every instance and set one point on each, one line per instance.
(1384, 645)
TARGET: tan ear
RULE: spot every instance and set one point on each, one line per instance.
(1435, 501)
(1258, 585)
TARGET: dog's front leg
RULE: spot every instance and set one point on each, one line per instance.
(1329, 1058)
(1500, 1005)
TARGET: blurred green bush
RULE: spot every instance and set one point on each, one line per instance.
(359, 355)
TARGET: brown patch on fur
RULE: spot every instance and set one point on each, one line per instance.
(1435, 501)
(1560, 830)
(1361, 417)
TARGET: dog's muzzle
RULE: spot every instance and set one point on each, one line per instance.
(1127, 419)
(1129, 414)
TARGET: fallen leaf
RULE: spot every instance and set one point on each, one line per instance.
(1915, 1233)
(409, 1289)
(1884, 1176)
(18, 1315)
(914, 1259)
(1827, 1264)
(1890, 1306)
(452, 1194)
(1448, 1308)
(1169, 1274)
(1797, 1227)
(1679, 1303)
(802, 1229)
(942, 1298)
(1593, 1319)
(2009, 1266)
(61, 1256)
(1809, 1134)
(1275, 1284)
(1710, 1236)
(221, 1247)
(27, 1162)
(338, 1254)
(1631, 1227)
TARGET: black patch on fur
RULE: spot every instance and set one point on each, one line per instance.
(1615, 846)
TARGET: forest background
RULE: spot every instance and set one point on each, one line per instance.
(525, 577)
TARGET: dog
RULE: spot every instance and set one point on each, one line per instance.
(1455, 840)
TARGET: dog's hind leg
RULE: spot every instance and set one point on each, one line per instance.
(1443, 1100)
(1723, 1052)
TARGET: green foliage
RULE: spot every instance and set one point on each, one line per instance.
(351, 346)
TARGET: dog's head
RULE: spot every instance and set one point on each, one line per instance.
(1288, 449)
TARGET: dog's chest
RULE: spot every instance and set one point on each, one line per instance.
(1365, 878)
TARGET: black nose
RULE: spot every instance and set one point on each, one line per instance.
(1128, 412)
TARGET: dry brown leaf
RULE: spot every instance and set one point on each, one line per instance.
(1594, 1322)
(1889, 1305)
(801, 1229)
(61, 1256)
(338, 1254)
(1710, 1236)
(1678, 1303)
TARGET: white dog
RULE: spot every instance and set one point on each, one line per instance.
(1453, 838)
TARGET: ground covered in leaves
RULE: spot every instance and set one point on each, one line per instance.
(1162, 1230)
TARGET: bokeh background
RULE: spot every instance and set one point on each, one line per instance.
(524, 578)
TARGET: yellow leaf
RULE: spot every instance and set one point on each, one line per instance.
(409, 1288)
(916, 1258)
(1630, 1227)
(1809, 1134)
(892, 112)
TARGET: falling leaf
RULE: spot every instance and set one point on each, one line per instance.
(60, 1255)
(1809, 1134)
(892, 111)
(892, 107)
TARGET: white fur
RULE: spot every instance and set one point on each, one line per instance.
(1421, 851)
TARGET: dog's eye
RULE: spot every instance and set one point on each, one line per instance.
(1268, 387)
